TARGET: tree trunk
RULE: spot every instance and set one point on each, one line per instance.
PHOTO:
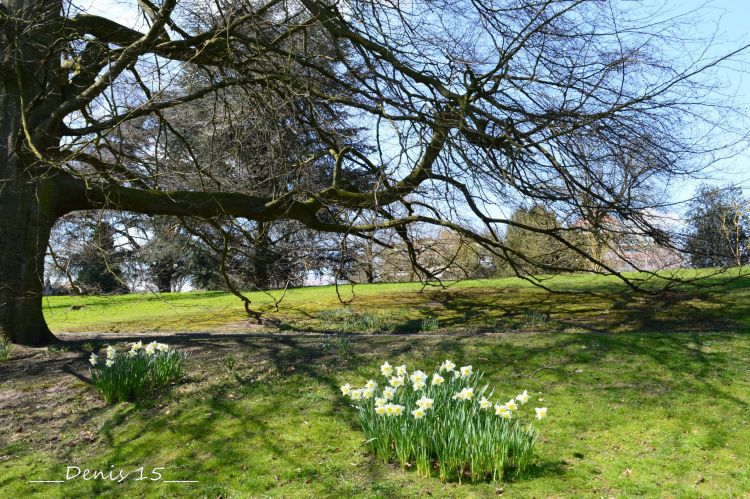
(163, 277)
(28, 199)
(25, 224)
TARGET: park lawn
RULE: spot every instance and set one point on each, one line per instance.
(647, 395)
(631, 414)
(583, 302)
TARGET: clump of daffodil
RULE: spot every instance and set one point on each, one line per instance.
(445, 434)
(125, 377)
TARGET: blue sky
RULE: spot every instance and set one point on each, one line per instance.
(729, 20)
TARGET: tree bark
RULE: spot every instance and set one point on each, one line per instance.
(25, 223)
(29, 90)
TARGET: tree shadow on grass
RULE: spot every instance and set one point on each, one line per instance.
(684, 362)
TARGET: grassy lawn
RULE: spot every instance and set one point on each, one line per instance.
(647, 397)
(589, 303)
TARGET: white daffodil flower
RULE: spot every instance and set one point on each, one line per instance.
(418, 413)
(389, 393)
(541, 412)
(511, 405)
(93, 359)
(437, 379)
(524, 397)
(447, 365)
(397, 381)
(401, 370)
(484, 404)
(466, 371)
(424, 403)
(418, 376)
(110, 363)
(111, 351)
(371, 384)
(386, 369)
(346, 389)
(465, 394)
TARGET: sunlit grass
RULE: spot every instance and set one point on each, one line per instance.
(630, 415)
(588, 303)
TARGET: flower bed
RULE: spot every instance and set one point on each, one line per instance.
(446, 422)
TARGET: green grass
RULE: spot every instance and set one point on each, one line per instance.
(630, 415)
(588, 302)
(647, 396)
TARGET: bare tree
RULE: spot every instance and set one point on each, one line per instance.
(468, 107)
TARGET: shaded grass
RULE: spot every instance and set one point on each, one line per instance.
(630, 415)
